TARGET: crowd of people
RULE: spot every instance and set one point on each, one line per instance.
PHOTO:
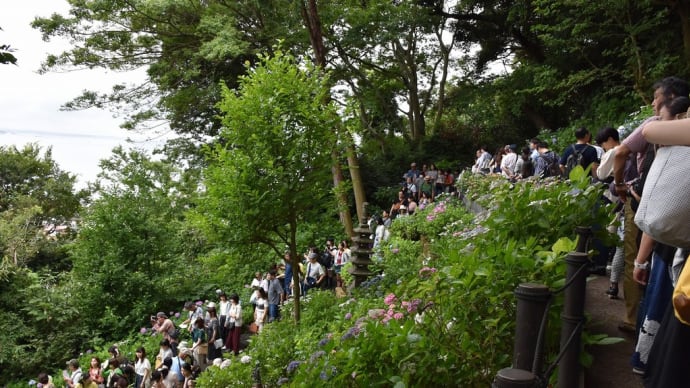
(648, 269)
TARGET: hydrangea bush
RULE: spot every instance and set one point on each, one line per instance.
(442, 311)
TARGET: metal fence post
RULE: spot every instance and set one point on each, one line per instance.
(572, 318)
(584, 235)
(532, 302)
(513, 378)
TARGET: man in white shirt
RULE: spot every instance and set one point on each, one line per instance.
(483, 161)
(508, 162)
(315, 272)
(75, 373)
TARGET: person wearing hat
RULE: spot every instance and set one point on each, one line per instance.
(195, 311)
(72, 375)
(315, 273)
(166, 326)
(508, 162)
(412, 172)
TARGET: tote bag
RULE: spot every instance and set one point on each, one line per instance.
(664, 212)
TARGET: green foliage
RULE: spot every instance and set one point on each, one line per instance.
(383, 335)
(130, 255)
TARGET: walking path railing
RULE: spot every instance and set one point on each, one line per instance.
(533, 303)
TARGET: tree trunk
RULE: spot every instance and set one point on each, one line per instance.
(294, 261)
(312, 21)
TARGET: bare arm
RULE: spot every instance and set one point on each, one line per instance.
(646, 247)
(620, 157)
(674, 132)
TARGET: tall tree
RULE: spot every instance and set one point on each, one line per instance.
(274, 171)
(34, 192)
(132, 246)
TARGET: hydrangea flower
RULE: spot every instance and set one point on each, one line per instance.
(293, 365)
(427, 271)
(177, 315)
(348, 316)
(143, 330)
(317, 355)
(390, 299)
(245, 359)
(324, 342)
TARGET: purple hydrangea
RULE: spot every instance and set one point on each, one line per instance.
(177, 315)
(143, 330)
(324, 342)
(293, 365)
(348, 316)
(317, 355)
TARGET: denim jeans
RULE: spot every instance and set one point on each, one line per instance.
(273, 312)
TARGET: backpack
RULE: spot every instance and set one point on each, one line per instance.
(574, 159)
(553, 168)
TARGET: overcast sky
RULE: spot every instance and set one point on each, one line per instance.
(30, 103)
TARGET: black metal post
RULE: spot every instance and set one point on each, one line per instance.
(584, 235)
(532, 301)
(572, 318)
(513, 378)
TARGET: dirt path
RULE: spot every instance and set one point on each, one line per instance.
(611, 366)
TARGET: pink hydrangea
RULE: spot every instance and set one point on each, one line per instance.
(390, 299)
(430, 217)
(143, 330)
(398, 316)
(427, 271)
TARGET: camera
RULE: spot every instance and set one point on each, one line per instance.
(153, 317)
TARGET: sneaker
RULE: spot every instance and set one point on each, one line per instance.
(612, 292)
(638, 370)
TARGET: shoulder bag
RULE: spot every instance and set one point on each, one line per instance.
(664, 211)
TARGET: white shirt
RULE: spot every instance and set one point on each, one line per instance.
(314, 270)
(508, 163)
(341, 257)
(605, 168)
(141, 366)
(224, 307)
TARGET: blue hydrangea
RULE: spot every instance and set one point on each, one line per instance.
(293, 365)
